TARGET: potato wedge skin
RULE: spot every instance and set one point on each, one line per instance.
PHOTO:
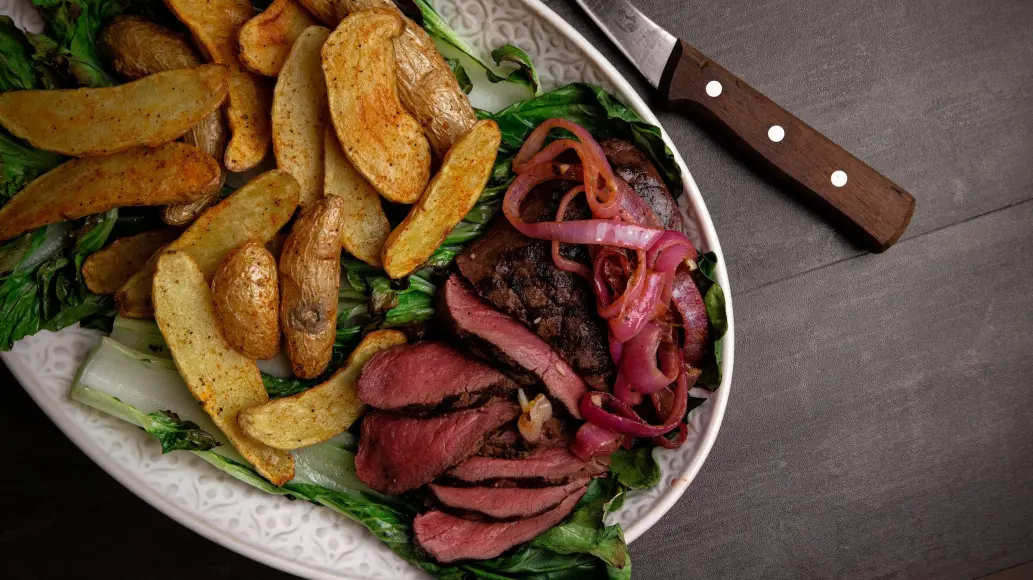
(426, 85)
(364, 227)
(256, 211)
(223, 380)
(266, 39)
(300, 114)
(449, 196)
(171, 173)
(107, 269)
(379, 137)
(137, 47)
(246, 290)
(321, 412)
(151, 111)
(324, 10)
(216, 24)
(310, 274)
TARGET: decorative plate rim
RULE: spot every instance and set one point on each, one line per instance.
(664, 501)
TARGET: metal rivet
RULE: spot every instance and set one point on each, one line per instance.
(839, 178)
(776, 133)
(714, 88)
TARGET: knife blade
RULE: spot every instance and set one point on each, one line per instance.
(865, 204)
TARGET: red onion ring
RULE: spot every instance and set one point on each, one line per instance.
(635, 314)
(557, 258)
(640, 366)
(626, 420)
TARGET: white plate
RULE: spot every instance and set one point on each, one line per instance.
(301, 538)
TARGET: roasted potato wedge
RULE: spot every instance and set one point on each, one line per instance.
(246, 290)
(325, 10)
(266, 39)
(256, 211)
(322, 411)
(137, 47)
(364, 227)
(223, 380)
(449, 196)
(151, 111)
(310, 274)
(174, 172)
(300, 114)
(379, 137)
(215, 24)
(426, 85)
(106, 270)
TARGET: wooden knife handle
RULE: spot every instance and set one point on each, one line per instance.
(868, 206)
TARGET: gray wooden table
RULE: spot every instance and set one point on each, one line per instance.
(881, 419)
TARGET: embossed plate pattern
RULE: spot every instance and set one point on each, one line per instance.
(301, 538)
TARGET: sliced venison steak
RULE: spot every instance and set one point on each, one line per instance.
(502, 339)
(552, 465)
(518, 276)
(504, 503)
(397, 453)
(426, 375)
(448, 538)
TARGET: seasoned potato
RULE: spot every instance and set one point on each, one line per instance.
(426, 85)
(106, 270)
(379, 137)
(450, 196)
(174, 172)
(364, 227)
(256, 211)
(266, 39)
(151, 111)
(223, 380)
(310, 274)
(247, 301)
(215, 24)
(321, 412)
(325, 10)
(137, 47)
(300, 115)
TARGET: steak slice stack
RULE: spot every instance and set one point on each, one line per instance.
(552, 465)
(499, 338)
(428, 375)
(448, 538)
(398, 453)
(503, 503)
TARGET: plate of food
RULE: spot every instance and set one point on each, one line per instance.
(356, 289)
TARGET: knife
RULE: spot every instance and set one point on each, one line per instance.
(866, 205)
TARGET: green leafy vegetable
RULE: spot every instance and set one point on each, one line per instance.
(45, 290)
(525, 73)
(176, 434)
(18, 68)
(635, 468)
(20, 163)
(717, 313)
(596, 110)
(69, 39)
(465, 84)
(278, 387)
(584, 531)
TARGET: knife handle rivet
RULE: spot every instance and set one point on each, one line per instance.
(714, 88)
(839, 178)
(776, 133)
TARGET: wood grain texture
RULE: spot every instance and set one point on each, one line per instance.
(866, 205)
(880, 422)
(879, 425)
